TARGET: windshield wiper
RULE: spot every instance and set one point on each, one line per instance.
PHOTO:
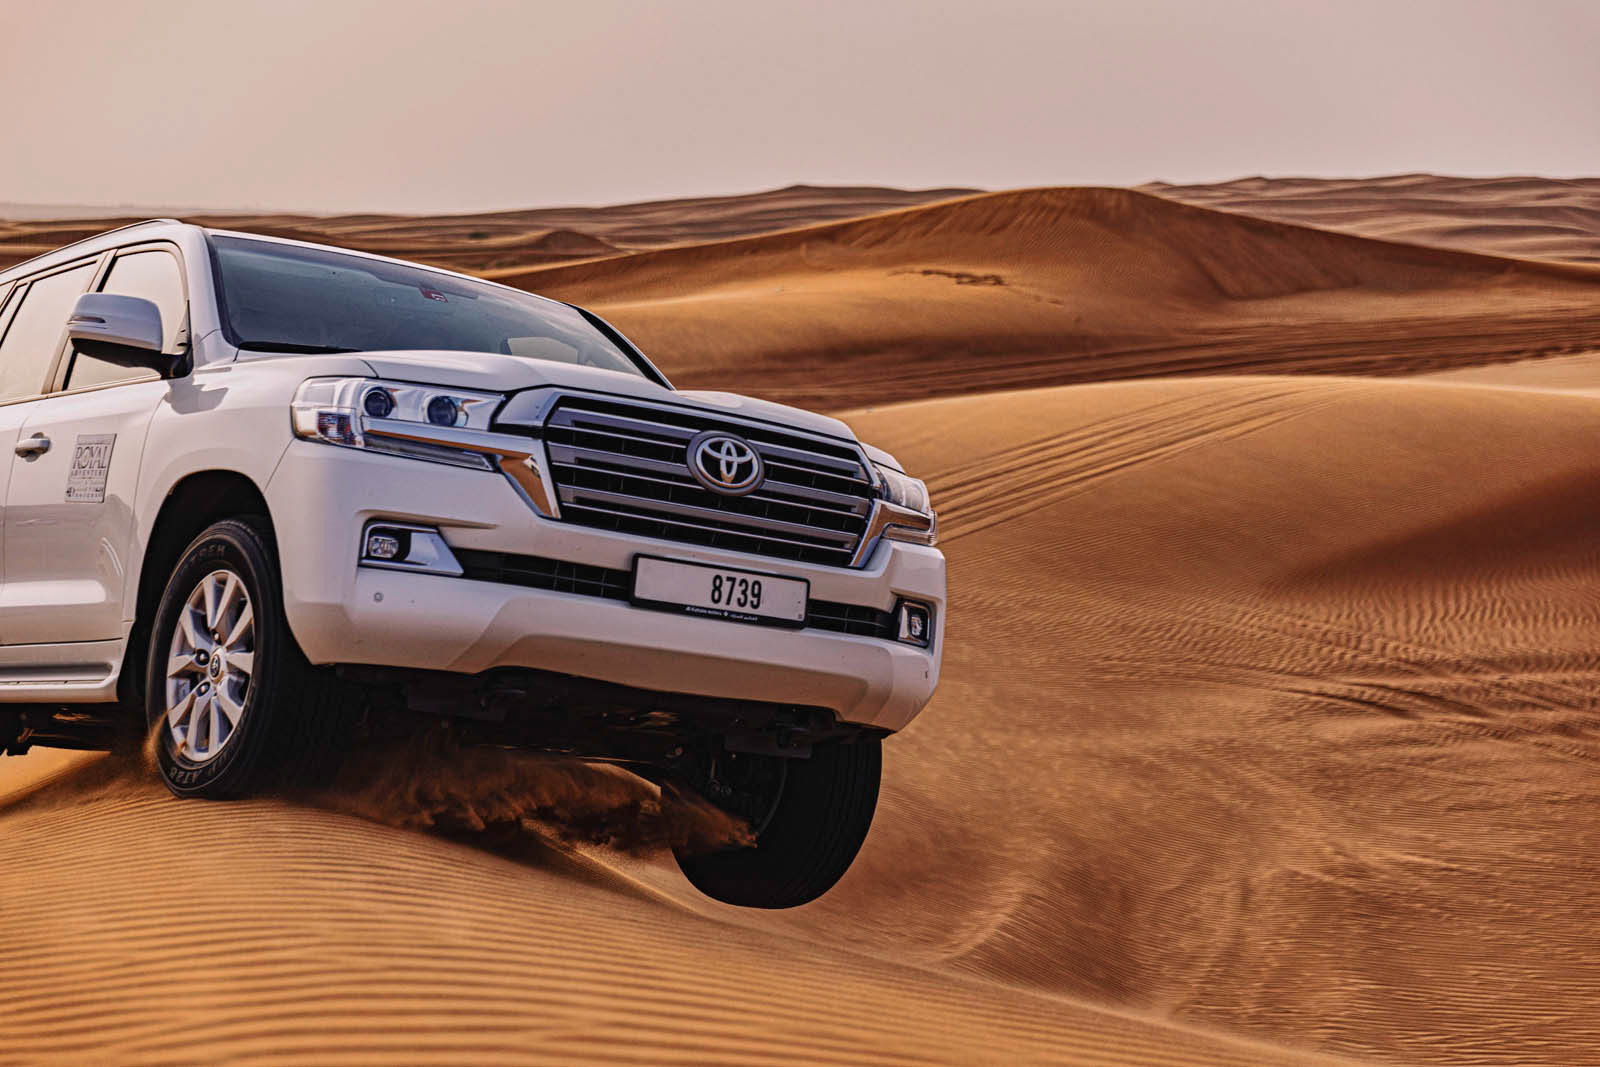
(290, 346)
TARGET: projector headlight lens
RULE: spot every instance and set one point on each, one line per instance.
(443, 411)
(362, 413)
(378, 403)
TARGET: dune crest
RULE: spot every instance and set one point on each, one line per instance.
(1528, 217)
(1078, 285)
(498, 239)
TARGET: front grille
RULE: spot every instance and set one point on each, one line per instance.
(625, 467)
(536, 572)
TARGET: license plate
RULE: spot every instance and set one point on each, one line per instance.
(719, 592)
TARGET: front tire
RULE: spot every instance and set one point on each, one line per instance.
(810, 817)
(233, 705)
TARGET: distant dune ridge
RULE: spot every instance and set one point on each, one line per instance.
(1077, 285)
(1534, 218)
(1270, 727)
(814, 295)
(517, 238)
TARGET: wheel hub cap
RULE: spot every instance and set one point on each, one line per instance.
(210, 664)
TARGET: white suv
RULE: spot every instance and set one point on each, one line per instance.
(259, 483)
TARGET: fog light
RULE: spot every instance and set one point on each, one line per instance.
(382, 545)
(916, 623)
(403, 547)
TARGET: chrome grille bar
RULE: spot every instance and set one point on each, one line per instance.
(580, 496)
(624, 465)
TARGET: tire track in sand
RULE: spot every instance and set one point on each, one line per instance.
(1037, 474)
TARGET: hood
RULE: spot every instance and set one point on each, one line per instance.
(765, 410)
(504, 374)
(507, 374)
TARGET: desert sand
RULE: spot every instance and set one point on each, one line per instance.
(1536, 218)
(1268, 732)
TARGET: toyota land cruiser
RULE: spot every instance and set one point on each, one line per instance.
(254, 477)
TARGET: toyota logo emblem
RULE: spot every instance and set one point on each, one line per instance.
(725, 464)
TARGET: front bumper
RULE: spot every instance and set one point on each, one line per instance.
(321, 498)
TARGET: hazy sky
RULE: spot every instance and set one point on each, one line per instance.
(459, 106)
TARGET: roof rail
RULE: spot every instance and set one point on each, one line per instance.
(93, 237)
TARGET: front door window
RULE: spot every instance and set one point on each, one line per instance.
(29, 348)
(153, 275)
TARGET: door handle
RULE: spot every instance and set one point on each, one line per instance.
(37, 445)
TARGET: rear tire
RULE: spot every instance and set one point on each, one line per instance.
(233, 705)
(809, 826)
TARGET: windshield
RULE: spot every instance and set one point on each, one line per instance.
(293, 299)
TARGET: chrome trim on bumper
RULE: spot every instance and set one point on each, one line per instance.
(886, 515)
(516, 456)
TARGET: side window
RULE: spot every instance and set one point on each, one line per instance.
(152, 274)
(9, 308)
(30, 343)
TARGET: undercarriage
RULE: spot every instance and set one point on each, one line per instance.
(559, 713)
(512, 707)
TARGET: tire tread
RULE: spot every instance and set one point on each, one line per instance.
(822, 819)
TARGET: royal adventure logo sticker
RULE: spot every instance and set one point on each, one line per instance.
(91, 466)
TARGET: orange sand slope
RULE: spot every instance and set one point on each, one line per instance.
(1051, 286)
(149, 931)
(1535, 218)
(1270, 708)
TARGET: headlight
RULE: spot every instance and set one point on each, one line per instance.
(903, 490)
(393, 417)
(911, 517)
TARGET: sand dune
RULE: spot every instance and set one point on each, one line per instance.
(1270, 728)
(1051, 286)
(931, 294)
(1298, 740)
(1306, 722)
(148, 931)
(1534, 218)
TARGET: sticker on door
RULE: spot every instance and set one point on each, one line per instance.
(91, 465)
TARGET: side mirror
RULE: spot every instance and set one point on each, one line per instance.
(125, 330)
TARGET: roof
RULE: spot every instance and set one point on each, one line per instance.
(163, 227)
(87, 247)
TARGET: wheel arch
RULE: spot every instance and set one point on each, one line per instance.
(193, 503)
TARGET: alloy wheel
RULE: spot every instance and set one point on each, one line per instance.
(210, 666)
